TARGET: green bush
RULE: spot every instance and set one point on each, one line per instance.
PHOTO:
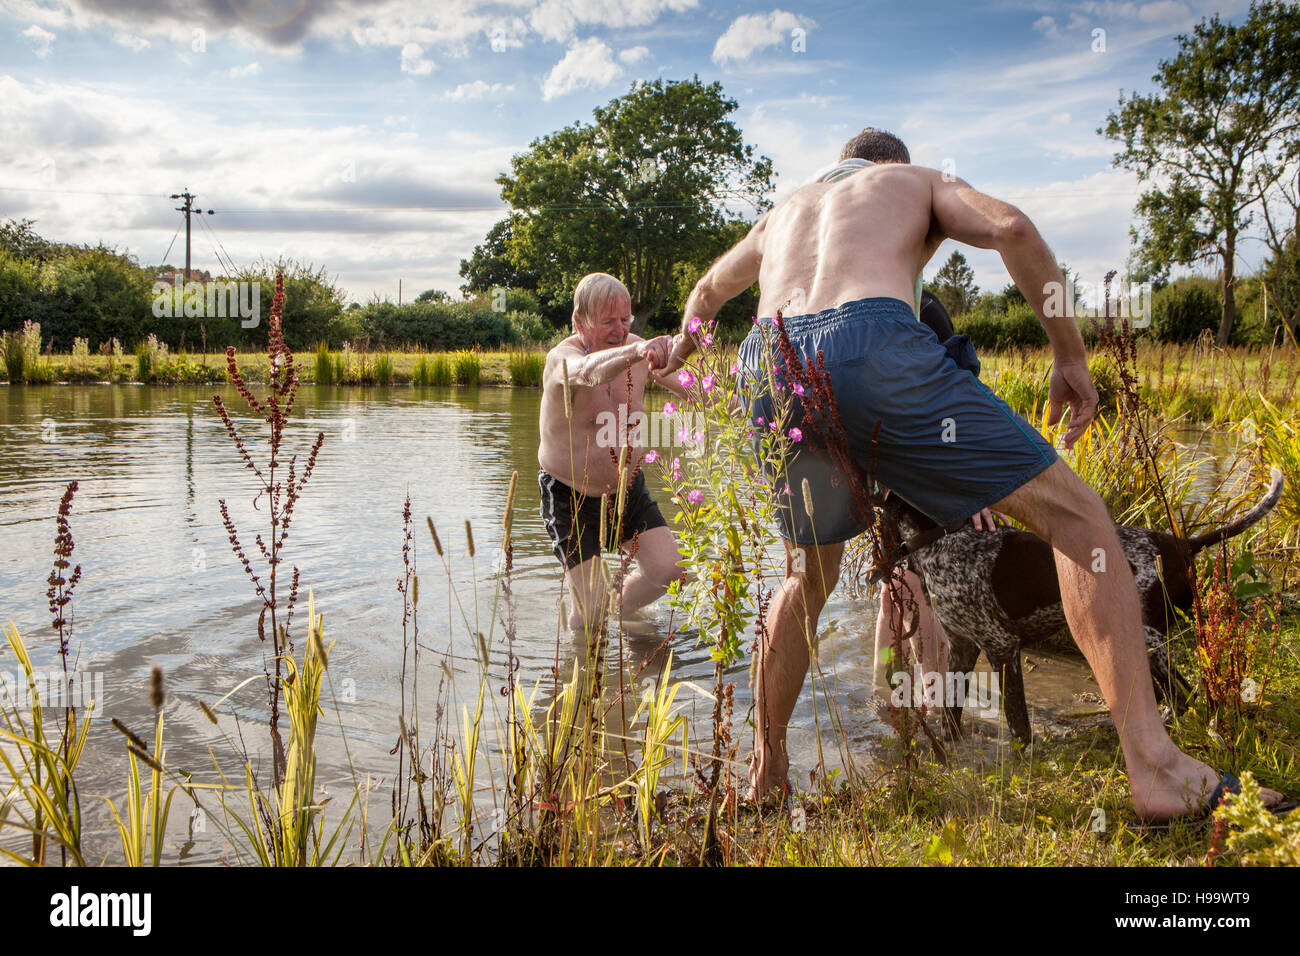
(1182, 310)
(997, 332)
(40, 372)
(526, 368)
(529, 327)
(13, 352)
(467, 368)
(98, 294)
(324, 365)
(442, 326)
(440, 370)
(143, 362)
(19, 289)
(1105, 379)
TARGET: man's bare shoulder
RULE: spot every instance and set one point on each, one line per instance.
(569, 348)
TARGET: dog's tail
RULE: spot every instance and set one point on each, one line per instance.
(1245, 521)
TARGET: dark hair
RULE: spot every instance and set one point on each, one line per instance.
(876, 146)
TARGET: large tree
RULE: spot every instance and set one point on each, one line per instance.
(1212, 140)
(633, 192)
(490, 264)
(1281, 272)
(954, 285)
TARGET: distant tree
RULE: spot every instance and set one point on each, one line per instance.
(1212, 140)
(433, 295)
(1280, 274)
(19, 239)
(632, 193)
(1009, 296)
(954, 285)
(491, 264)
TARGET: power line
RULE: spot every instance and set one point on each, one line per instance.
(228, 264)
(169, 245)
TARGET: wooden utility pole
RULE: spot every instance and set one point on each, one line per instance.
(188, 208)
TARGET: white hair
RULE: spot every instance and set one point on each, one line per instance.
(593, 293)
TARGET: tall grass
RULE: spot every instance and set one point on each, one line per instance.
(144, 829)
(526, 368)
(41, 798)
(467, 367)
(13, 355)
(384, 369)
(324, 365)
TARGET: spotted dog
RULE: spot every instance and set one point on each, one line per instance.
(997, 592)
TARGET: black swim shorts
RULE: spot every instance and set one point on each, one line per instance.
(573, 519)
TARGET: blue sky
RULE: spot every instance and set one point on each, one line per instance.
(365, 135)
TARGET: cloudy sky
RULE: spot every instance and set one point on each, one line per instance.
(365, 135)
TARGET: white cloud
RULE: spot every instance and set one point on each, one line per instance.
(1047, 27)
(133, 43)
(477, 90)
(589, 64)
(408, 205)
(756, 31)
(413, 60)
(1163, 10)
(42, 40)
(239, 72)
(633, 55)
(558, 19)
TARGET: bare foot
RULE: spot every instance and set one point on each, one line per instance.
(765, 776)
(1181, 788)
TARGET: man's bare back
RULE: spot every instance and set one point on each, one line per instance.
(830, 243)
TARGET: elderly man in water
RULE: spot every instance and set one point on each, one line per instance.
(596, 375)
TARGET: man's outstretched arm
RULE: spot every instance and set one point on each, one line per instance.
(731, 275)
(968, 215)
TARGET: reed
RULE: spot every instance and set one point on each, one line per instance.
(526, 368)
(41, 796)
(324, 365)
(467, 367)
(384, 369)
(12, 345)
(144, 828)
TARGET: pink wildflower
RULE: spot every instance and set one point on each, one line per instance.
(685, 378)
(796, 435)
(695, 496)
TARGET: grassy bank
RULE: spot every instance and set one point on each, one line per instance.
(1194, 384)
(346, 368)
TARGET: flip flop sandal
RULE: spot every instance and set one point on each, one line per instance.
(1228, 783)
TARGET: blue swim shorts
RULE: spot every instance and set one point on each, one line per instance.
(947, 445)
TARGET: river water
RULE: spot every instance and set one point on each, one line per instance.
(161, 585)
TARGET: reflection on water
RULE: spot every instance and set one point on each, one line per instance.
(161, 585)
